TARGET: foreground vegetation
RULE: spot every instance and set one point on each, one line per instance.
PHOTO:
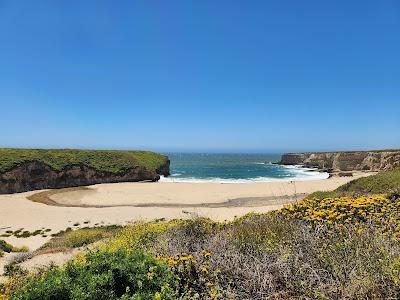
(113, 161)
(320, 248)
(6, 247)
(69, 238)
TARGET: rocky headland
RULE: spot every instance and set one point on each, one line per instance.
(44, 172)
(345, 161)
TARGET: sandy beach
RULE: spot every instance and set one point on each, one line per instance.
(181, 194)
(122, 203)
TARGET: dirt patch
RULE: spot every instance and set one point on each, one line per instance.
(45, 198)
(238, 202)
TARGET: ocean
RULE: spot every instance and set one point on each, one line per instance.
(231, 168)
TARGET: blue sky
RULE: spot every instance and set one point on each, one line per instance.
(200, 75)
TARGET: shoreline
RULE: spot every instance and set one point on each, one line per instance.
(318, 174)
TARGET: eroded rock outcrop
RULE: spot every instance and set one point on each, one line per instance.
(345, 161)
(35, 175)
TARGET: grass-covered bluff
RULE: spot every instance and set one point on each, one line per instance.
(341, 247)
(380, 183)
(113, 161)
(24, 170)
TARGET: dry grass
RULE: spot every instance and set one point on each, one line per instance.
(269, 257)
(77, 238)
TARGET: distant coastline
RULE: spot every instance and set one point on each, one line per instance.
(345, 161)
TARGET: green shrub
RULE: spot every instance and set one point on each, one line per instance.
(196, 279)
(14, 270)
(6, 247)
(102, 275)
(138, 235)
(260, 232)
(81, 237)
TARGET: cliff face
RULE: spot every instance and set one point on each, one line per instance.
(36, 175)
(345, 161)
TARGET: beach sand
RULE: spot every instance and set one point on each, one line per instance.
(121, 203)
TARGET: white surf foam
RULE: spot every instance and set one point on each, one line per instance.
(297, 173)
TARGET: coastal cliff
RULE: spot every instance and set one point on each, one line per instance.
(85, 169)
(345, 161)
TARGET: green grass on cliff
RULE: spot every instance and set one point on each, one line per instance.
(382, 183)
(113, 161)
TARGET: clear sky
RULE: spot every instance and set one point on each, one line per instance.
(200, 75)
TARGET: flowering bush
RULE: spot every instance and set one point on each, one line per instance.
(102, 275)
(138, 235)
(196, 279)
(343, 209)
